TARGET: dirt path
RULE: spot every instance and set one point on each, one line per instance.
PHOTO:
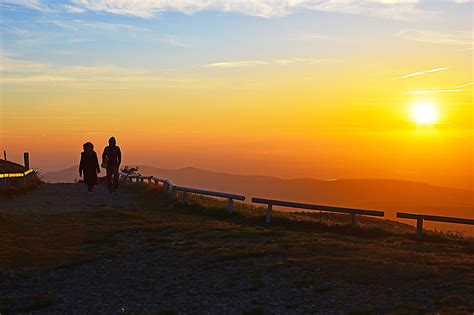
(61, 198)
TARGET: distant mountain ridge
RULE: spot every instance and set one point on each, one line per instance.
(384, 194)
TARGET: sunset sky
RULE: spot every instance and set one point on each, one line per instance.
(289, 88)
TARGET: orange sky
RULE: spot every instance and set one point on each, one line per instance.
(281, 100)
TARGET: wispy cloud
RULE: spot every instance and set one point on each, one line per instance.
(173, 40)
(425, 92)
(435, 37)
(392, 9)
(289, 61)
(29, 4)
(77, 25)
(418, 73)
(235, 64)
(14, 69)
(283, 62)
(9, 64)
(464, 85)
(73, 9)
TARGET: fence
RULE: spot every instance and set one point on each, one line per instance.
(353, 212)
(172, 189)
(435, 218)
(16, 175)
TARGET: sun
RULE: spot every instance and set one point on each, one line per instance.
(424, 113)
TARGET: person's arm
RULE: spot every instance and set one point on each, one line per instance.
(97, 163)
(104, 154)
(119, 156)
(81, 165)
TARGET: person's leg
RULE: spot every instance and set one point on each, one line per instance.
(116, 178)
(109, 179)
(89, 187)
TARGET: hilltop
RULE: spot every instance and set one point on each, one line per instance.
(140, 252)
(380, 194)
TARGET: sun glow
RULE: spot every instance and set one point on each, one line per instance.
(424, 113)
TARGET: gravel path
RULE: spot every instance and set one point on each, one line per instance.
(60, 198)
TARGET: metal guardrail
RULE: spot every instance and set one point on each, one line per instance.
(352, 211)
(16, 175)
(172, 189)
(435, 218)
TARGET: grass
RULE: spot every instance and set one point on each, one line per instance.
(379, 252)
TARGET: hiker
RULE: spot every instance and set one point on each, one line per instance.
(111, 159)
(89, 166)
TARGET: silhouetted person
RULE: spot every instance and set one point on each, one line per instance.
(111, 159)
(89, 166)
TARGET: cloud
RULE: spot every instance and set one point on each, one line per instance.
(9, 64)
(415, 74)
(283, 62)
(435, 37)
(73, 9)
(464, 85)
(173, 41)
(14, 69)
(425, 92)
(30, 4)
(392, 9)
(77, 25)
(235, 64)
(306, 60)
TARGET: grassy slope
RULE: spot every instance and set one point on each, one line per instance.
(383, 255)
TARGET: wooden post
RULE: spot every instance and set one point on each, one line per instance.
(269, 213)
(353, 219)
(184, 197)
(419, 227)
(230, 205)
(4, 155)
(26, 158)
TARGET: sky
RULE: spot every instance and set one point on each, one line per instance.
(288, 88)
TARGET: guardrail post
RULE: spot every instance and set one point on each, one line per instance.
(184, 197)
(419, 227)
(230, 205)
(353, 219)
(269, 213)
(26, 157)
(174, 193)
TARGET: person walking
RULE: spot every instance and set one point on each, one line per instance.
(111, 159)
(89, 166)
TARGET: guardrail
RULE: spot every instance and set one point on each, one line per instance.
(353, 212)
(172, 189)
(16, 175)
(435, 218)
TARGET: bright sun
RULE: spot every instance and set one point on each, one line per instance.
(424, 113)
